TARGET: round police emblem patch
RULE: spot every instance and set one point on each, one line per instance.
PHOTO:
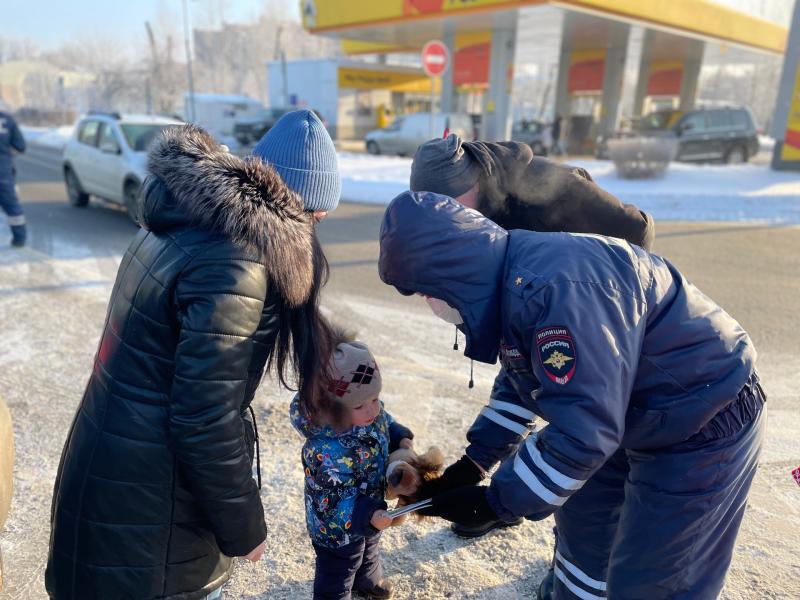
(557, 353)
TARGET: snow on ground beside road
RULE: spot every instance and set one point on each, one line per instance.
(45, 362)
(51, 138)
(686, 192)
(373, 179)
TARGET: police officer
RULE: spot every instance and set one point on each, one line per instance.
(11, 139)
(517, 190)
(655, 412)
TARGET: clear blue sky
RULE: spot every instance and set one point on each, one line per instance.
(49, 23)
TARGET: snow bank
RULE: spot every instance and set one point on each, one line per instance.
(373, 179)
(686, 192)
(52, 138)
(766, 143)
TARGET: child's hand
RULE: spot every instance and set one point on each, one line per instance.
(406, 443)
(256, 553)
(380, 520)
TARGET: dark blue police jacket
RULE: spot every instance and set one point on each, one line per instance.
(10, 137)
(608, 343)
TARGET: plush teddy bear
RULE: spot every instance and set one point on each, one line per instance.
(405, 473)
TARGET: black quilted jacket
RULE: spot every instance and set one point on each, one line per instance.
(155, 491)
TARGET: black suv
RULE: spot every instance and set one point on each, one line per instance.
(248, 131)
(704, 135)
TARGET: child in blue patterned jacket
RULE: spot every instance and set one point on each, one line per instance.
(348, 441)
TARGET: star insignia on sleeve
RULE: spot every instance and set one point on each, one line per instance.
(518, 281)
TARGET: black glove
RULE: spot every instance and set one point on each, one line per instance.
(460, 473)
(464, 505)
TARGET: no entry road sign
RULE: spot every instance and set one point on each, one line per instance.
(435, 58)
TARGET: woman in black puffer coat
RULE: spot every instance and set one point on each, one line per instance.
(155, 492)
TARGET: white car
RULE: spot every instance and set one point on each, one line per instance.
(406, 133)
(106, 157)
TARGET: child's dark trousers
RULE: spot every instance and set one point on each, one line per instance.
(341, 570)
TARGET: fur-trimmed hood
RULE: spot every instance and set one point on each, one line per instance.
(195, 182)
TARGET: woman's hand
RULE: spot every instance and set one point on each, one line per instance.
(256, 553)
(380, 520)
(406, 443)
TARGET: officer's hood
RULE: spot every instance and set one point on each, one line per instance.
(433, 245)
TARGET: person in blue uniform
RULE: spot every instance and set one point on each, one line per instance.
(11, 139)
(655, 412)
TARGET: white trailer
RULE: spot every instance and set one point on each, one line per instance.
(307, 83)
(217, 113)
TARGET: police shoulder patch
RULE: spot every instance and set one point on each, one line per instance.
(557, 353)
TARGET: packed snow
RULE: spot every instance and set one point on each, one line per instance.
(50, 138)
(426, 390)
(686, 192)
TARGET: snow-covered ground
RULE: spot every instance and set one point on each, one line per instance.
(44, 362)
(51, 138)
(46, 356)
(685, 192)
(766, 143)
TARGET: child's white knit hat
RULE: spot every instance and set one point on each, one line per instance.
(355, 377)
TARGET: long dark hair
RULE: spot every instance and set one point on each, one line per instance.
(304, 339)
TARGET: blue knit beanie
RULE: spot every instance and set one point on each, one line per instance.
(299, 148)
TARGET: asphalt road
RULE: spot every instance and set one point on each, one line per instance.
(750, 269)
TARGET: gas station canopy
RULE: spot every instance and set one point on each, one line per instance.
(481, 37)
(408, 24)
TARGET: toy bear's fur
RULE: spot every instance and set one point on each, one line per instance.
(405, 473)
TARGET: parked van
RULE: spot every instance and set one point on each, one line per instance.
(406, 133)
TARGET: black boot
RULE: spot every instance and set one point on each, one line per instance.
(545, 591)
(20, 234)
(477, 531)
(375, 591)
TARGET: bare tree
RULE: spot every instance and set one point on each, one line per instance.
(162, 74)
(17, 49)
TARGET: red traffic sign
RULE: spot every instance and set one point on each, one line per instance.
(435, 58)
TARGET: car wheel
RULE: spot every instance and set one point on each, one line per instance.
(736, 156)
(132, 201)
(538, 149)
(372, 147)
(75, 193)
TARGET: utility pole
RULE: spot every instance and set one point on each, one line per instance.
(186, 37)
(154, 71)
(280, 53)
